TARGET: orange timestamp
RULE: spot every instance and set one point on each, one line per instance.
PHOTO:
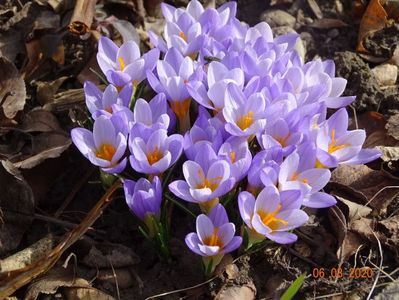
(338, 272)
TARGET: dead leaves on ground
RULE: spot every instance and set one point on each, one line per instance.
(375, 17)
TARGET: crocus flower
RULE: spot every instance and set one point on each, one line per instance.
(150, 116)
(144, 199)
(244, 117)
(206, 178)
(212, 95)
(236, 152)
(156, 153)
(309, 181)
(105, 103)
(124, 65)
(104, 147)
(174, 72)
(272, 214)
(204, 130)
(214, 237)
(338, 144)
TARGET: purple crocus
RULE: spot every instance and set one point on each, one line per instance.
(173, 74)
(124, 65)
(294, 175)
(150, 116)
(214, 237)
(144, 199)
(338, 145)
(236, 152)
(206, 178)
(272, 214)
(105, 103)
(104, 147)
(244, 116)
(156, 153)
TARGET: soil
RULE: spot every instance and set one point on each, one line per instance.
(265, 274)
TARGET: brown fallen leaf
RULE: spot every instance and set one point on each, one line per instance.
(349, 246)
(16, 196)
(374, 19)
(85, 293)
(122, 277)
(44, 145)
(12, 89)
(12, 281)
(47, 89)
(39, 120)
(106, 255)
(28, 255)
(355, 211)
(368, 183)
(338, 223)
(315, 8)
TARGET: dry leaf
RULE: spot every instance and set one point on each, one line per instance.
(355, 211)
(390, 292)
(45, 145)
(338, 224)
(39, 120)
(374, 19)
(107, 255)
(46, 90)
(368, 182)
(28, 255)
(12, 89)
(349, 246)
(315, 8)
(389, 153)
(89, 293)
(54, 279)
(16, 198)
(126, 30)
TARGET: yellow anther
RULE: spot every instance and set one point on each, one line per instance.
(106, 151)
(154, 156)
(121, 63)
(246, 120)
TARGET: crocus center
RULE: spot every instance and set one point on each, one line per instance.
(211, 184)
(154, 156)
(106, 151)
(332, 147)
(180, 108)
(214, 239)
(270, 220)
(282, 140)
(246, 120)
(295, 177)
(121, 63)
(183, 36)
(108, 109)
(233, 156)
(319, 165)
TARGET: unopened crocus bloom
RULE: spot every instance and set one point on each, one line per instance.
(214, 237)
(150, 116)
(244, 116)
(236, 152)
(206, 178)
(124, 65)
(173, 74)
(104, 147)
(310, 181)
(144, 199)
(340, 145)
(272, 214)
(105, 103)
(156, 153)
(204, 130)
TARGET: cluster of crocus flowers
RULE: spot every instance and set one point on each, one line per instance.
(253, 127)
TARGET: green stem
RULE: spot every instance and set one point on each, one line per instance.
(181, 206)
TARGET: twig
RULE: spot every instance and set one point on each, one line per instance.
(82, 16)
(383, 272)
(380, 267)
(12, 281)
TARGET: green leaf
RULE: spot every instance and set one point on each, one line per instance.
(294, 288)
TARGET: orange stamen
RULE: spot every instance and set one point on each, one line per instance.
(214, 239)
(246, 120)
(121, 63)
(270, 220)
(332, 147)
(106, 151)
(180, 108)
(154, 156)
